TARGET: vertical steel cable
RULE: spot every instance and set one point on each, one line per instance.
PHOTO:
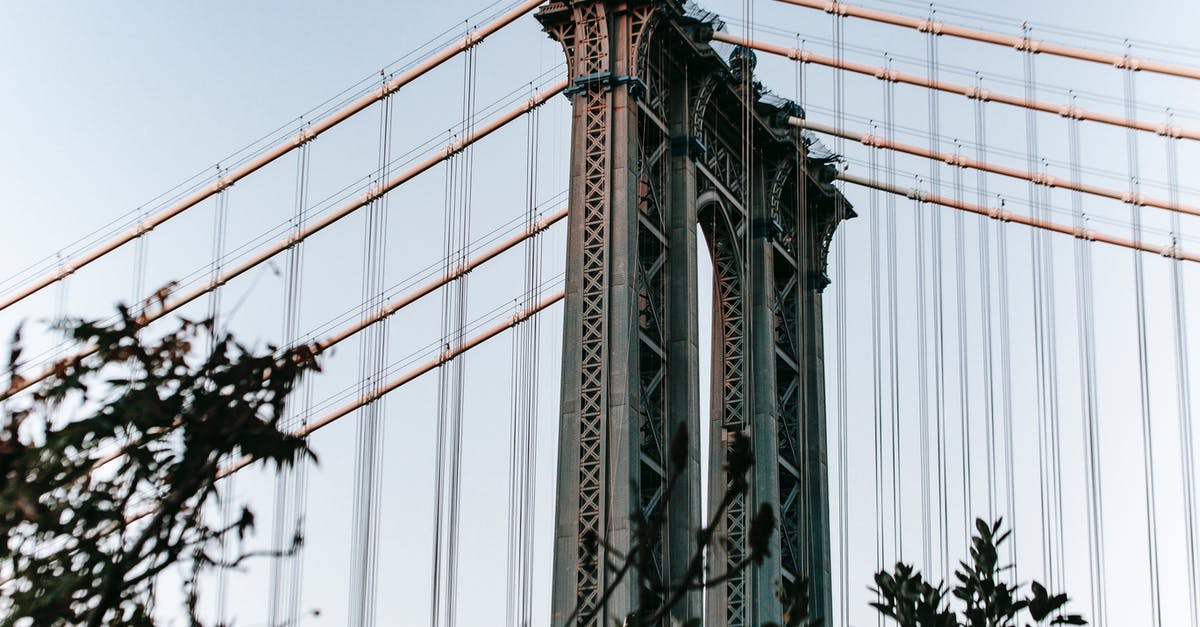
(302, 396)
(805, 320)
(1187, 451)
(63, 292)
(1143, 357)
(748, 182)
(372, 366)
(213, 308)
(516, 364)
(523, 443)
(464, 238)
(939, 361)
(1010, 484)
(964, 380)
(140, 253)
(893, 323)
(877, 361)
(920, 255)
(443, 427)
(1052, 393)
(985, 303)
(226, 507)
(1040, 329)
(1084, 305)
(451, 376)
(289, 509)
(843, 395)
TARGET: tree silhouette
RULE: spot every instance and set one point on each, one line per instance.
(109, 468)
(981, 598)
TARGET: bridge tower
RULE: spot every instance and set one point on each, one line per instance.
(663, 144)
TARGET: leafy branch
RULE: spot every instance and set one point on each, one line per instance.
(739, 459)
(86, 533)
(985, 599)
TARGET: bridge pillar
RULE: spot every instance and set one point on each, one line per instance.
(654, 155)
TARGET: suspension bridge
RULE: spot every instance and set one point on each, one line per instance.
(932, 280)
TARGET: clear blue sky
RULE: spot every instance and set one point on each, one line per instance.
(110, 104)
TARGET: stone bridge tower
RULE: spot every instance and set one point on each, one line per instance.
(670, 133)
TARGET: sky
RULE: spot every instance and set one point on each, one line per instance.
(111, 105)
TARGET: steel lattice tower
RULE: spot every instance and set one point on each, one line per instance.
(662, 144)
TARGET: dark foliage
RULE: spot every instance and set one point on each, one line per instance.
(658, 597)
(981, 598)
(109, 468)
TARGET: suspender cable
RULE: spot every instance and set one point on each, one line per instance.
(798, 301)
(453, 148)
(746, 149)
(369, 435)
(921, 238)
(1187, 452)
(1035, 177)
(1055, 416)
(889, 98)
(138, 286)
(881, 73)
(523, 446)
(939, 364)
(939, 357)
(1010, 487)
(1019, 43)
(533, 261)
(964, 379)
(468, 42)
(299, 471)
(985, 310)
(1086, 330)
(841, 333)
(876, 365)
(1143, 369)
(451, 380)
(1007, 216)
(220, 231)
(289, 506)
(1040, 328)
(62, 293)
